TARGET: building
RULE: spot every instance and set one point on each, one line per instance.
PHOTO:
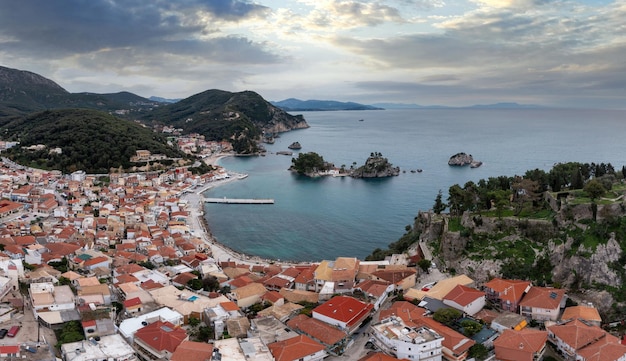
(395, 337)
(465, 299)
(582, 312)
(193, 351)
(112, 347)
(345, 312)
(506, 294)
(334, 339)
(158, 340)
(340, 273)
(543, 303)
(579, 340)
(523, 345)
(299, 348)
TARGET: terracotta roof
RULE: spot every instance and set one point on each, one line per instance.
(408, 312)
(379, 356)
(577, 334)
(317, 329)
(587, 313)
(344, 309)
(463, 295)
(606, 349)
(229, 306)
(520, 345)
(249, 290)
(508, 290)
(294, 348)
(161, 336)
(394, 276)
(375, 288)
(95, 261)
(192, 351)
(543, 297)
(132, 302)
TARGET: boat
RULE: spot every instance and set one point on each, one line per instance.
(360, 120)
(284, 152)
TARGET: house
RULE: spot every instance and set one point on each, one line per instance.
(455, 346)
(345, 312)
(378, 356)
(438, 290)
(341, 273)
(402, 279)
(248, 295)
(331, 337)
(523, 345)
(111, 347)
(297, 348)
(582, 312)
(506, 294)
(193, 351)
(158, 340)
(395, 337)
(579, 340)
(465, 299)
(543, 303)
(377, 291)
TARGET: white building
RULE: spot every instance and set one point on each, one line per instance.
(393, 336)
(129, 326)
(112, 347)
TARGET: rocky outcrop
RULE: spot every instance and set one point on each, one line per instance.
(376, 166)
(463, 159)
(295, 145)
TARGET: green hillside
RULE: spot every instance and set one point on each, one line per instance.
(89, 140)
(239, 117)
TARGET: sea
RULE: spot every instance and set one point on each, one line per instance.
(314, 219)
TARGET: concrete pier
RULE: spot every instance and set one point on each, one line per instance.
(239, 200)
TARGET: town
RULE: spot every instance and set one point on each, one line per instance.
(122, 267)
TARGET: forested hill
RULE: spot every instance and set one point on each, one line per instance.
(80, 139)
(241, 117)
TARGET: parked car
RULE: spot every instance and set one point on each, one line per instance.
(3, 332)
(13, 331)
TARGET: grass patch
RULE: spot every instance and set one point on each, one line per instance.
(454, 224)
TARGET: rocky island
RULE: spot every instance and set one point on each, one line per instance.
(295, 146)
(463, 159)
(376, 166)
(312, 164)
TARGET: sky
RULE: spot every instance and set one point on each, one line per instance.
(430, 52)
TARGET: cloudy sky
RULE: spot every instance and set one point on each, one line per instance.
(449, 52)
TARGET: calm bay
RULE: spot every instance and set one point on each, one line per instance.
(322, 218)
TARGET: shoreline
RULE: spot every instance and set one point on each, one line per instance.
(199, 226)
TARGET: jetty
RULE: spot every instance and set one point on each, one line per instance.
(239, 200)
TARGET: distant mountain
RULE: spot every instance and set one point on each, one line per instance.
(85, 139)
(217, 114)
(407, 106)
(293, 104)
(164, 100)
(240, 118)
(505, 106)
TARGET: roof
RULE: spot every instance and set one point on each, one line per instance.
(577, 334)
(294, 348)
(394, 276)
(508, 290)
(192, 351)
(378, 356)
(587, 313)
(520, 345)
(253, 289)
(463, 295)
(605, 349)
(344, 309)
(132, 302)
(439, 290)
(317, 329)
(161, 336)
(543, 297)
(374, 288)
(407, 311)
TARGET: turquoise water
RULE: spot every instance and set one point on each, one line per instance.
(314, 219)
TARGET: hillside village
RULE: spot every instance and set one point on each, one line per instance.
(130, 262)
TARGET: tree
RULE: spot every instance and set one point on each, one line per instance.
(447, 316)
(594, 190)
(195, 284)
(479, 351)
(470, 328)
(455, 199)
(439, 206)
(424, 264)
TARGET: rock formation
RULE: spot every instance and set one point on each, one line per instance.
(463, 159)
(376, 166)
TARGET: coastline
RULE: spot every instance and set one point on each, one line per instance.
(199, 226)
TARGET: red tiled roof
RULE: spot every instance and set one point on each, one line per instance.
(463, 295)
(543, 297)
(161, 336)
(577, 334)
(192, 351)
(317, 329)
(520, 345)
(508, 290)
(131, 302)
(379, 356)
(344, 309)
(294, 348)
